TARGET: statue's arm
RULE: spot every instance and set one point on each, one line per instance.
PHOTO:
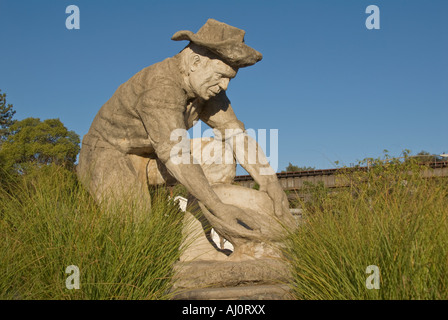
(218, 114)
(163, 120)
(164, 123)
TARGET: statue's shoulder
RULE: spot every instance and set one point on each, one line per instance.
(163, 73)
(160, 67)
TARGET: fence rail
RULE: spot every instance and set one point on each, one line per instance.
(294, 180)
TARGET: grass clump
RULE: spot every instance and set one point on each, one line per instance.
(389, 216)
(48, 222)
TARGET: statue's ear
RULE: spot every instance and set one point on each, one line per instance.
(194, 62)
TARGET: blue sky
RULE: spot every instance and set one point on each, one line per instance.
(335, 90)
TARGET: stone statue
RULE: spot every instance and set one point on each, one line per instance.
(129, 145)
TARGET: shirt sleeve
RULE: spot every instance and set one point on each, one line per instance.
(162, 112)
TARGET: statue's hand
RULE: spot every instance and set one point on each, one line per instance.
(234, 215)
(278, 196)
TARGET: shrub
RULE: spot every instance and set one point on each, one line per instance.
(48, 222)
(389, 216)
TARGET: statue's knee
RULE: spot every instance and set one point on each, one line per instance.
(215, 158)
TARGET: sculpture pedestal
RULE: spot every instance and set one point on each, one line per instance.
(260, 279)
(203, 273)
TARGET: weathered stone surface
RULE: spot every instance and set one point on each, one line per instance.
(258, 204)
(197, 279)
(256, 292)
(203, 274)
(198, 247)
(251, 279)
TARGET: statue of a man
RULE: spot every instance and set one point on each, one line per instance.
(130, 136)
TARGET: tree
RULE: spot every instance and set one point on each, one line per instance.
(426, 157)
(6, 115)
(293, 168)
(31, 141)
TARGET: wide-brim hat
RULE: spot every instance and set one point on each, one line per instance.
(225, 41)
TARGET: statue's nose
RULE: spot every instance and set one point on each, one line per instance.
(224, 83)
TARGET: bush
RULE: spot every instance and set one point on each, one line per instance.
(389, 216)
(49, 222)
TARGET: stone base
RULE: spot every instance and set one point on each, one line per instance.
(261, 279)
(258, 292)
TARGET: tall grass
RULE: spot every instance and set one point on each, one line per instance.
(49, 222)
(390, 217)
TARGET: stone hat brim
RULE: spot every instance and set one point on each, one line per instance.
(225, 41)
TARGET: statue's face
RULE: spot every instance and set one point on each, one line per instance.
(208, 77)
